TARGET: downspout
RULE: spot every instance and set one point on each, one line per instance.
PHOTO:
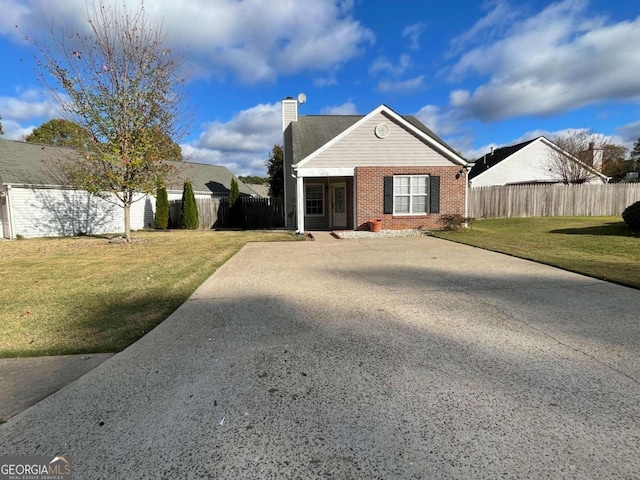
(10, 220)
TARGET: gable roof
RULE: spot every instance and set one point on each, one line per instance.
(23, 163)
(311, 133)
(489, 160)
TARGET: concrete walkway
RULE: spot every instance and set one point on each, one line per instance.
(389, 358)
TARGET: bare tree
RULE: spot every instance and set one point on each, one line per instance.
(572, 162)
(121, 82)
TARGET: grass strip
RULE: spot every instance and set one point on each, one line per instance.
(600, 247)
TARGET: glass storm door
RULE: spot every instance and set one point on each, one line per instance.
(339, 205)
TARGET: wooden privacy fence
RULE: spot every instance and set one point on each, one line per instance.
(248, 213)
(552, 200)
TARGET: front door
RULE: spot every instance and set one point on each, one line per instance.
(339, 205)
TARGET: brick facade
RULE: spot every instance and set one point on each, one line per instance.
(370, 196)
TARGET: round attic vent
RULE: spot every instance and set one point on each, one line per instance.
(382, 130)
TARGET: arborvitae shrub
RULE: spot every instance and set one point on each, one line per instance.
(234, 192)
(189, 210)
(162, 208)
(631, 216)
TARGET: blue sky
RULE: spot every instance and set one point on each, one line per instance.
(480, 74)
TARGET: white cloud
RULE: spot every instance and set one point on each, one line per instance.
(257, 40)
(413, 33)
(20, 113)
(556, 60)
(325, 82)
(14, 131)
(242, 144)
(499, 17)
(402, 86)
(240, 163)
(251, 130)
(26, 106)
(441, 122)
(348, 108)
(475, 153)
(383, 65)
(630, 133)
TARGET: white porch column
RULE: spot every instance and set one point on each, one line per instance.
(300, 203)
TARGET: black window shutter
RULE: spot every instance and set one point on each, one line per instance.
(388, 194)
(434, 195)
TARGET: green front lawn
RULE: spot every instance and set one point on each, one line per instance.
(82, 295)
(601, 247)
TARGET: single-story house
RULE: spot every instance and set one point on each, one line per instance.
(37, 201)
(529, 162)
(341, 171)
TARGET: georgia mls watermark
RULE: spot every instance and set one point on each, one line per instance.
(35, 468)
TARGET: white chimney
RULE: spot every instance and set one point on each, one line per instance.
(289, 112)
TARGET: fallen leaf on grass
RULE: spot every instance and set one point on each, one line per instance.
(26, 313)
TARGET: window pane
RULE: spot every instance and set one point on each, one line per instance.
(401, 185)
(401, 204)
(419, 185)
(419, 204)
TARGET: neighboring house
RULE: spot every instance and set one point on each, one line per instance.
(208, 181)
(261, 190)
(525, 163)
(36, 201)
(343, 170)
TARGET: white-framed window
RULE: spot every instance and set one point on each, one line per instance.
(314, 199)
(411, 194)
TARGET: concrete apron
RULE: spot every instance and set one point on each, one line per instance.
(389, 358)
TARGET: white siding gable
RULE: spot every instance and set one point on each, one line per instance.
(361, 147)
(530, 164)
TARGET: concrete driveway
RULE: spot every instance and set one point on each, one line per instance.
(394, 358)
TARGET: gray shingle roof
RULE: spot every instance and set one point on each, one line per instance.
(311, 132)
(205, 178)
(34, 164)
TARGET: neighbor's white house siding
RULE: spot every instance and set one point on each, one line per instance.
(178, 196)
(530, 164)
(362, 148)
(51, 212)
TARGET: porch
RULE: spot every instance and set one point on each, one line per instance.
(328, 203)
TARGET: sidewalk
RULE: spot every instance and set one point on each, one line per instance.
(26, 381)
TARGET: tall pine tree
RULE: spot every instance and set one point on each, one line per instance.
(275, 172)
